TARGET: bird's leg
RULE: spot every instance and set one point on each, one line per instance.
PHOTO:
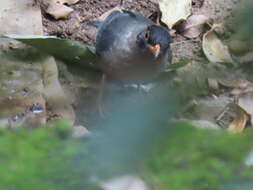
(99, 101)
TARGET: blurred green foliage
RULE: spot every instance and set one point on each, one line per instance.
(41, 159)
(185, 158)
(202, 159)
(243, 20)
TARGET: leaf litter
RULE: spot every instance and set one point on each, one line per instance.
(245, 101)
(215, 50)
(192, 29)
(194, 25)
(58, 9)
(174, 11)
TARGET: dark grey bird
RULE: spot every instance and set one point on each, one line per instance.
(132, 48)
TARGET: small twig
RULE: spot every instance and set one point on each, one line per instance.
(186, 41)
(219, 117)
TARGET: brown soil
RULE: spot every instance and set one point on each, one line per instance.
(75, 27)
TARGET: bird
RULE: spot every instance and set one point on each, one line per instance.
(131, 48)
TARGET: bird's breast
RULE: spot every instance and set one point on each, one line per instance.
(134, 68)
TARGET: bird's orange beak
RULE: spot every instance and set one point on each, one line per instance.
(155, 49)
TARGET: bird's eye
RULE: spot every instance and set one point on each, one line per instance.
(147, 36)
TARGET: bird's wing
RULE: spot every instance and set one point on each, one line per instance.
(119, 24)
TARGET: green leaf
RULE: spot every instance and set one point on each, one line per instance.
(68, 51)
(183, 62)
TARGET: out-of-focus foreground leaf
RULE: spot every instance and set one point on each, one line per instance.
(202, 159)
(66, 50)
(43, 159)
(184, 158)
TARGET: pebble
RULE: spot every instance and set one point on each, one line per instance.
(80, 131)
(126, 182)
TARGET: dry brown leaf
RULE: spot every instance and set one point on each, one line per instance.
(173, 32)
(214, 49)
(57, 102)
(69, 2)
(245, 101)
(174, 11)
(58, 10)
(193, 26)
(232, 82)
(107, 13)
(240, 120)
(213, 83)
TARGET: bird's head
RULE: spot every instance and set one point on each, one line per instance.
(154, 39)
